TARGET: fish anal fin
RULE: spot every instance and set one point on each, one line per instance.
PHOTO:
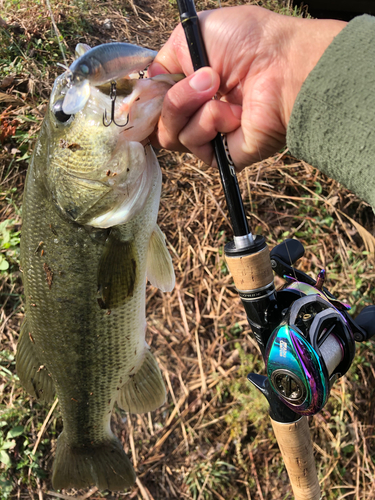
(117, 273)
(160, 270)
(145, 391)
(33, 375)
(105, 465)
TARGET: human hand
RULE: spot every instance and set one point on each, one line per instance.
(259, 61)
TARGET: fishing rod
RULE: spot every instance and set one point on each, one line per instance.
(306, 336)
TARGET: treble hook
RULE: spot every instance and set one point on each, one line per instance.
(112, 95)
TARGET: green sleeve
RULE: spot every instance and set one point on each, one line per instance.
(332, 126)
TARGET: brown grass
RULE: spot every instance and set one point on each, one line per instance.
(214, 429)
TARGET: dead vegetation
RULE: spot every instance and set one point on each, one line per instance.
(212, 439)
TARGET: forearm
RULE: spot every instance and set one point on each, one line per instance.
(332, 122)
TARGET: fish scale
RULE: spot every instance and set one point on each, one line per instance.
(84, 333)
(96, 338)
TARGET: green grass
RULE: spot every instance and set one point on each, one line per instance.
(9, 245)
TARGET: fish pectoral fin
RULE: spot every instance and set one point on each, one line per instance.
(104, 464)
(160, 270)
(33, 375)
(145, 391)
(117, 273)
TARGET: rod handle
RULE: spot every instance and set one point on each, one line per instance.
(252, 271)
(295, 444)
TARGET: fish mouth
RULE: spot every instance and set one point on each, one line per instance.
(121, 177)
(96, 99)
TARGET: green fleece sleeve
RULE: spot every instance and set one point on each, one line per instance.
(332, 126)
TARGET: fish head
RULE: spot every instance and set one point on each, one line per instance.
(95, 175)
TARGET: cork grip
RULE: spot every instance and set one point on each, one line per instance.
(251, 272)
(296, 448)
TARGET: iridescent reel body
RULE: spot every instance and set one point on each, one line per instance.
(312, 347)
(307, 337)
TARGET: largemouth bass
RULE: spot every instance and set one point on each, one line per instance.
(89, 239)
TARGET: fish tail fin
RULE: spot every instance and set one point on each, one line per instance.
(105, 465)
(145, 391)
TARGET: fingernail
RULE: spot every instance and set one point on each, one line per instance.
(236, 110)
(202, 80)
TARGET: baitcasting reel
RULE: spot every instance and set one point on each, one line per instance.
(314, 344)
(312, 347)
(306, 336)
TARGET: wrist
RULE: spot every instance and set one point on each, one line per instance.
(307, 43)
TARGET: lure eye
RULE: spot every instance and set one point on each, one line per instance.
(58, 111)
(85, 69)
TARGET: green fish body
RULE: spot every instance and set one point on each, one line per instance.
(89, 240)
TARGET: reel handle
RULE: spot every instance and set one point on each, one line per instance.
(295, 445)
(366, 321)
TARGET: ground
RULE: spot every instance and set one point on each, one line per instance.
(213, 438)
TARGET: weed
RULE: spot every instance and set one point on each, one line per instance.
(207, 477)
(9, 244)
(251, 406)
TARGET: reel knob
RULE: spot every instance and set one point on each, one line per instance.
(289, 386)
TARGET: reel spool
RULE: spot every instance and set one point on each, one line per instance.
(308, 351)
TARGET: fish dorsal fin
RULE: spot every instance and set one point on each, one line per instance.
(145, 391)
(160, 270)
(33, 375)
(117, 272)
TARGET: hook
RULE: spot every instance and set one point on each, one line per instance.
(112, 95)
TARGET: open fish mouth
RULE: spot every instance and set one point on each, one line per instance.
(99, 160)
(112, 165)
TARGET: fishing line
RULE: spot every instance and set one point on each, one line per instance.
(279, 222)
(232, 167)
(57, 33)
(272, 198)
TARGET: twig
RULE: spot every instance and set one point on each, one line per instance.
(199, 354)
(68, 497)
(175, 404)
(131, 440)
(183, 313)
(254, 471)
(42, 429)
(144, 493)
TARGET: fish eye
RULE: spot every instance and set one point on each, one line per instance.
(58, 111)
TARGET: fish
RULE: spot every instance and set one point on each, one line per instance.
(89, 241)
(100, 65)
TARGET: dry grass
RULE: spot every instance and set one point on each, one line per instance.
(212, 439)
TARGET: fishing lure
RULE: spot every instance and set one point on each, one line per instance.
(99, 65)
